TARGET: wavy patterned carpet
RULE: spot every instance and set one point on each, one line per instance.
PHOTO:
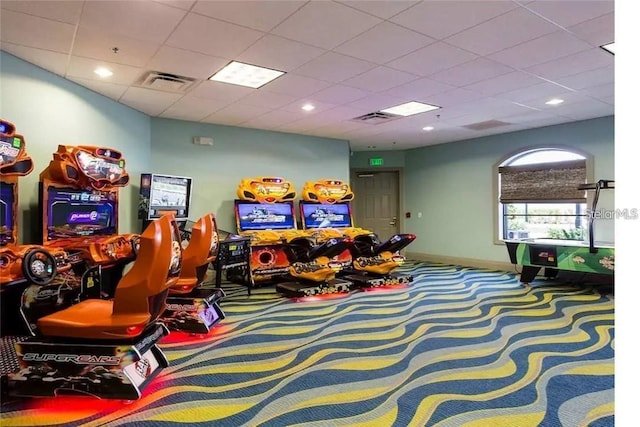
(459, 347)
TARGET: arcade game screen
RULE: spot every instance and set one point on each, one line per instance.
(324, 215)
(6, 213)
(165, 193)
(264, 216)
(76, 213)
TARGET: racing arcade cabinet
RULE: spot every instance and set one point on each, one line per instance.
(326, 209)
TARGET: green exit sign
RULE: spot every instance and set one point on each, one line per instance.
(376, 161)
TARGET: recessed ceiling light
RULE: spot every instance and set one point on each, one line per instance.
(554, 101)
(428, 128)
(308, 107)
(103, 72)
(409, 109)
(609, 48)
(237, 73)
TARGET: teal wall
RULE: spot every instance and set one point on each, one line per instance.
(239, 153)
(49, 110)
(452, 185)
(391, 159)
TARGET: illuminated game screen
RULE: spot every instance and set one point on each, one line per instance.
(160, 194)
(77, 213)
(324, 215)
(6, 213)
(264, 216)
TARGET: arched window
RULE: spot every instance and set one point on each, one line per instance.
(539, 196)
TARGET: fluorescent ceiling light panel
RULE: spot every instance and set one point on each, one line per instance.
(103, 72)
(238, 73)
(609, 48)
(554, 101)
(409, 109)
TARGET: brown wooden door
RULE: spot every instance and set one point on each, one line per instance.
(375, 205)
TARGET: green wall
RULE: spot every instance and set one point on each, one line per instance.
(452, 185)
(239, 153)
(49, 110)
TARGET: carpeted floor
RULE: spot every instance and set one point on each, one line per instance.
(459, 347)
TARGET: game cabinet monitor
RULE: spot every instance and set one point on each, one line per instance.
(162, 194)
(256, 216)
(325, 215)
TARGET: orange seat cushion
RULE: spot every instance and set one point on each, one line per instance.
(92, 318)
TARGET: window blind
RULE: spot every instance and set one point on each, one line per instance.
(544, 182)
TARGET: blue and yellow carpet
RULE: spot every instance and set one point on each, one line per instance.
(459, 347)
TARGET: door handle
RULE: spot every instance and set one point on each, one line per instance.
(393, 221)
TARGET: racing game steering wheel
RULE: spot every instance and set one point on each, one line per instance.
(39, 267)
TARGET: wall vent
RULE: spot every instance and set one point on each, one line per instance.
(486, 125)
(166, 82)
(375, 118)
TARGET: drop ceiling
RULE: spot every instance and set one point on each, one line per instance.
(480, 61)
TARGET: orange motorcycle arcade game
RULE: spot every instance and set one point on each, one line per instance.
(190, 307)
(278, 250)
(94, 347)
(369, 263)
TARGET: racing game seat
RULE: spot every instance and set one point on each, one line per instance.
(139, 297)
(309, 262)
(202, 250)
(372, 256)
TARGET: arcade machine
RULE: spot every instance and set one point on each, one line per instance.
(190, 308)
(103, 348)
(23, 267)
(568, 255)
(325, 208)
(79, 212)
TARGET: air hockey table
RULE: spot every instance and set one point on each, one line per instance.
(554, 255)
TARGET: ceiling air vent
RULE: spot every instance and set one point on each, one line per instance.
(166, 82)
(486, 125)
(375, 118)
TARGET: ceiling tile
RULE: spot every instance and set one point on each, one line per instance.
(585, 60)
(185, 63)
(180, 4)
(545, 89)
(568, 13)
(418, 90)
(590, 110)
(98, 44)
(279, 54)
(380, 79)
(569, 98)
(84, 67)
(589, 78)
(31, 31)
(543, 49)
(193, 108)
(63, 11)
(296, 107)
(235, 113)
(259, 15)
(151, 102)
(340, 94)
(510, 29)
(504, 83)
(266, 99)
(54, 62)
(432, 59)
(453, 97)
(440, 19)
(375, 102)
(294, 85)
(604, 92)
(471, 72)
(222, 91)
(383, 43)
(325, 24)
(597, 31)
(212, 37)
(272, 119)
(110, 90)
(334, 67)
(136, 19)
(381, 9)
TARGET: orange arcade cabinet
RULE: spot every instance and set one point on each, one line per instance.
(79, 210)
(23, 267)
(326, 210)
(264, 212)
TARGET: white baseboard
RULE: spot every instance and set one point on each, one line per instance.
(467, 262)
